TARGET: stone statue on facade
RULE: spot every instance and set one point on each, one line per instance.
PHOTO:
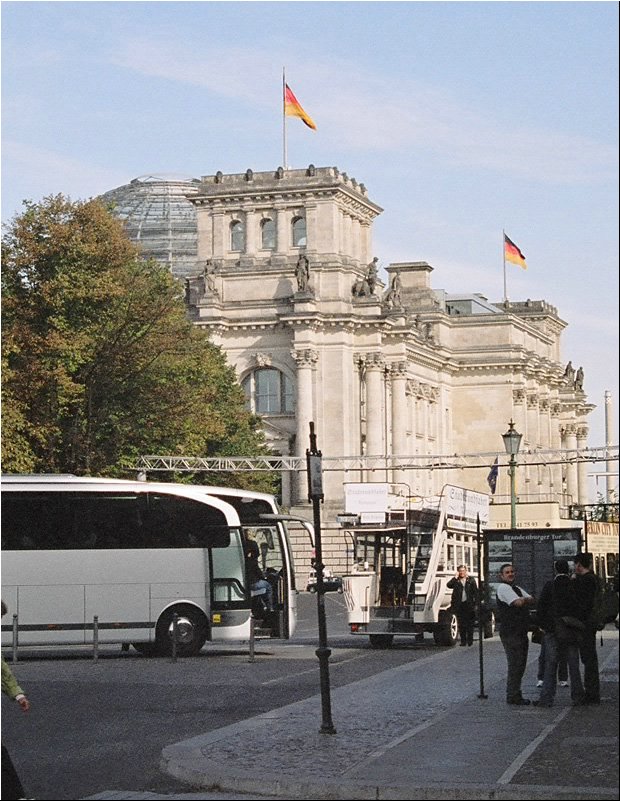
(569, 373)
(579, 378)
(208, 278)
(364, 287)
(393, 296)
(302, 273)
(372, 275)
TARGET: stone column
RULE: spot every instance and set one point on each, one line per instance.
(305, 359)
(570, 443)
(221, 239)
(582, 467)
(556, 444)
(312, 229)
(282, 237)
(530, 441)
(413, 391)
(399, 415)
(347, 228)
(375, 368)
(250, 232)
(355, 239)
(544, 471)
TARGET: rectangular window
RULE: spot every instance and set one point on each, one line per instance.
(267, 391)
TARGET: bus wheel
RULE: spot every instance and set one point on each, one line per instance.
(192, 630)
(446, 631)
(381, 640)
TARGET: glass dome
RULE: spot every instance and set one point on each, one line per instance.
(159, 217)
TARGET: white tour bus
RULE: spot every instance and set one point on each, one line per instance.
(401, 567)
(134, 553)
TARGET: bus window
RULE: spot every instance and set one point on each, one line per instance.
(29, 521)
(175, 522)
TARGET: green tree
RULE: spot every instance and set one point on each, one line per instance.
(100, 362)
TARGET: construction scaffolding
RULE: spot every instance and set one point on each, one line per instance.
(196, 464)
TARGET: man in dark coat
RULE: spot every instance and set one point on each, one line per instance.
(586, 589)
(558, 599)
(464, 599)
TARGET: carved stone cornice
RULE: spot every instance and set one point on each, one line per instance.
(570, 429)
(421, 390)
(263, 359)
(518, 395)
(375, 361)
(413, 388)
(398, 369)
(305, 357)
(582, 432)
(532, 400)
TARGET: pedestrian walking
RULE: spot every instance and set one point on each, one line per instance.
(558, 599)
(12, 788)
(513, 614)
(464, 599)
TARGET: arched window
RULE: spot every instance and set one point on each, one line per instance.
(299, 232)
(268, 234)
(237, 235)
(269, 391)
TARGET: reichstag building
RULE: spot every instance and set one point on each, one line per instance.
(279, 268)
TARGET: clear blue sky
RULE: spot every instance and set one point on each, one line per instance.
(462, 119)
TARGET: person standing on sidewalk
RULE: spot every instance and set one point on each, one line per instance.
(562, 668)
(586, 590)
(12, 788)
(514, 623)
(557, 599)
(464, 598)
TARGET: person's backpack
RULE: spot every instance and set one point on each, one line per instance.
(610, 604)
(605, 605)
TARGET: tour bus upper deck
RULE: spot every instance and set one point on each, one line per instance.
(401, 567)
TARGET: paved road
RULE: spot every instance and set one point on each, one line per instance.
(100, 726)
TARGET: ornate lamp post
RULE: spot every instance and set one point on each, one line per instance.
(512, 442)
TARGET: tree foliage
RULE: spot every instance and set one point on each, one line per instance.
(100, 363)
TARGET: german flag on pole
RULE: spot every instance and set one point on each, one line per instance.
(513, 254)
(292, 108)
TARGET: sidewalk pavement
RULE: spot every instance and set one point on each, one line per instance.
(394, 742)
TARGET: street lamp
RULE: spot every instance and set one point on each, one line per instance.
(512, 441)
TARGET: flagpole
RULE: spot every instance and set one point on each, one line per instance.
(504, 257)
(284, 154)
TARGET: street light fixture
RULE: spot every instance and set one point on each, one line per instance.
(512, 442)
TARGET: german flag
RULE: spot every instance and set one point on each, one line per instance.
(512, 253)
(292, 108)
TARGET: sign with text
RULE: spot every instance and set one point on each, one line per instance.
(366, 497)
(466, 504)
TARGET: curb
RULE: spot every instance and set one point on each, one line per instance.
(217, 778)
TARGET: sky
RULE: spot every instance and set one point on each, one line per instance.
(462, 119)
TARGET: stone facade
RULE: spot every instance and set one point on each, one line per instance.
(399, 369)
(286, 283)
